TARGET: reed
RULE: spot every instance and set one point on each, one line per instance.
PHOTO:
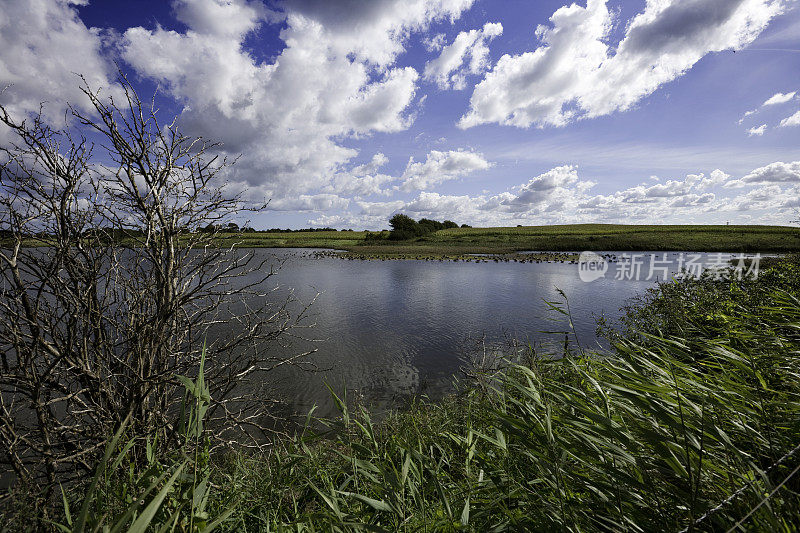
(689, 422)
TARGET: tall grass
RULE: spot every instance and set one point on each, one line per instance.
(665, 432)
(690, 422)
(134, 490)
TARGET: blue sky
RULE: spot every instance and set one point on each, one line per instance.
(484, 112)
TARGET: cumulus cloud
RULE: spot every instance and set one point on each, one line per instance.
(715, 178)
(776, 99)
(467, 54)
(375, 30)
(576, 74)
(550, 188)
(757, 131)
(779, 98)
(778, 172)
(334, 80)
(305, 202)
(793, 120)
(43, 45)
(362, 180)
(561, 195)
(434, 43)
(439, 167)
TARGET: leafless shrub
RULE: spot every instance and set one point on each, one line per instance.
(108, 289)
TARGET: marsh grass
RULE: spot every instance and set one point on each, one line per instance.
(570, 237)
(664, 432)
(135, 490)
(457, 242)
(690, 422)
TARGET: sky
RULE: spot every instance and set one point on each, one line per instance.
(486, 112)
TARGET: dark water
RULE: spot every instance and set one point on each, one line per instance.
(388, 330)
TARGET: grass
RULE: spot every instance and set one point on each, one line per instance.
(689, 422)
(296, 239)
(692, 426)
(459, 242)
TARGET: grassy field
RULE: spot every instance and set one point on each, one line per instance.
(340, 240)
(459, 243)
(599, 237)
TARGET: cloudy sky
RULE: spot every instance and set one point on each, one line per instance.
(487, 112)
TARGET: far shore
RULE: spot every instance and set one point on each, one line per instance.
(552, 243)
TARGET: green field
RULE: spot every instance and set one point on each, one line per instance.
(458, 243)
(599, 237)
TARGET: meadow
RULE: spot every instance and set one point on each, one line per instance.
(449, 243)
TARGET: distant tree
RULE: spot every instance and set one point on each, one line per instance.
(465, 226)
(449, 224)
(429, 226)
(404, 227)
(232, 227)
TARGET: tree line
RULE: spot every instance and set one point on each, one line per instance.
(404, 227)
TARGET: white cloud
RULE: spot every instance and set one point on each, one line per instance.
(575, 74)
(793, 120)
(747, 114)
(757, 131)
(43, 46)
(560, 195)
(550, 189)
(226, 19)
(779, 98)
(362, 180)
(467, 54)
(305, 202)
(439, 167)
(333, 80)
(717, 177)
(776, 99)
(375, 30)
(435, 43)
(778, 172)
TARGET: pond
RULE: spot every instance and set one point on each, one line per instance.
(389, 330)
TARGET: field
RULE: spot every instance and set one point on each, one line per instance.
(452, 243)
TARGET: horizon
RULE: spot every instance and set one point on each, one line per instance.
(490, 114)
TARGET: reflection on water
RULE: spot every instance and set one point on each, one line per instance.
(391, 329)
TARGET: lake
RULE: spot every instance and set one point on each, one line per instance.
(389, 330)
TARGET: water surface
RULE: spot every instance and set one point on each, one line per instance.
(388, 330)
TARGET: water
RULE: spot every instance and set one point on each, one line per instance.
(388, 330)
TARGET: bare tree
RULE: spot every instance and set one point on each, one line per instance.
(109, 290)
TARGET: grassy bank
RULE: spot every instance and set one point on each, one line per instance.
(598, 237)
(690, 422)
(458, 243)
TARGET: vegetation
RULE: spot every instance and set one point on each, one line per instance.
(96, 329)
(404, 227)
(698, 431)
(450, 242)
(690, 422)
